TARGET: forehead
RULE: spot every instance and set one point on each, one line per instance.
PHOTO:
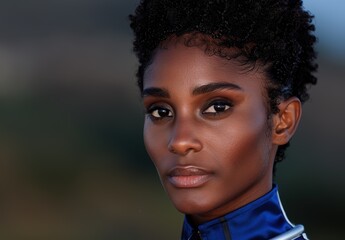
(176, 63)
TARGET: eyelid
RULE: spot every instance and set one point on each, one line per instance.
(158, 106)
(217, 101)
(154, 106)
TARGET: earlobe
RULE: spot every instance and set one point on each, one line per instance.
(286, 121)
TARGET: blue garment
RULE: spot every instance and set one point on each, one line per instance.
(261, 219)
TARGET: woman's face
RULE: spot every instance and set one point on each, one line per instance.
(207, 131)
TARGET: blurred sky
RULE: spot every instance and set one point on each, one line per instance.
(330, 22)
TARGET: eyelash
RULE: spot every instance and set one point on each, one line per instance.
(224, 105)
(150, 112)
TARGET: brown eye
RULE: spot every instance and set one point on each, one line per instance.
(217, 107)
(160, 113)
(157, 113)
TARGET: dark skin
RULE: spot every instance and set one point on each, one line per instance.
(208, 130)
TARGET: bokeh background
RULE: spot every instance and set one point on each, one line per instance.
(72, 161)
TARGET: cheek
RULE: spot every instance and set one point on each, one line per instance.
(243, 142)
(255, 148)
(154, 142)
(149, 140)
(254, 127)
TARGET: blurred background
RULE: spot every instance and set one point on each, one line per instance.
(72, 161)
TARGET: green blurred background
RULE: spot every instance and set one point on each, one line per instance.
(72, 161)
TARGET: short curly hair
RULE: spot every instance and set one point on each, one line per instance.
(276, 33)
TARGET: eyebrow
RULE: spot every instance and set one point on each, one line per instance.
(215, 87)
(155, 92)
(203, 89)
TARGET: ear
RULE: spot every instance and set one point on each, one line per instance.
(286, 121)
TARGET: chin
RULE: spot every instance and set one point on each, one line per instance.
(192, 206)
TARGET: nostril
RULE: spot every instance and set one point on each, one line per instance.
(184, 147)
(183, 139)
(171, 149)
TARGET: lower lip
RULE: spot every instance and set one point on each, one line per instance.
(191, 181)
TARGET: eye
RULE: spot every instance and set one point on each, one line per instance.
(217, 107)
(159, 112)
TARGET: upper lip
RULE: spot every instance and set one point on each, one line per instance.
(188, 171)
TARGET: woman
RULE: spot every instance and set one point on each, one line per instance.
(223, 83)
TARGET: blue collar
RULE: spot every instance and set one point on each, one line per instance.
(263, 219)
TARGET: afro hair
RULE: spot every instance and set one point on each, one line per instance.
(276, 33)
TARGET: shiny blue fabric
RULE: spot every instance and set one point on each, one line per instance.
(261, 219)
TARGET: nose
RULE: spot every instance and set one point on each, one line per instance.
(184, 138)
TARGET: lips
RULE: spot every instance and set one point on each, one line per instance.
(188, 177)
